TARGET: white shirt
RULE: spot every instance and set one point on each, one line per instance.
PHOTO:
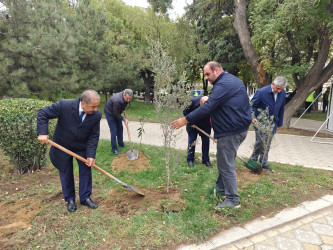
(275, 94)
(80, 110)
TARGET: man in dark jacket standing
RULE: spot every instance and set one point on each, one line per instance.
(272, 96)
(203, 124)
(326, 100)
(229, 108)
(77, 130)
(112, 110)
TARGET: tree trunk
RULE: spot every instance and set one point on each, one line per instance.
(242, 28)
(314, 79)
(204, 84)
(147, 90)
(308, 86)
(148, 79)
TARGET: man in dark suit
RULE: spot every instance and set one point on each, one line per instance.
(77, 130)
(204, 124)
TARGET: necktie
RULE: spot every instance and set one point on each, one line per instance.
(81, 116)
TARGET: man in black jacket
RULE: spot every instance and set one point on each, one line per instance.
(326, 100)
(229, 108)
(77, 130)
(112, 110)
(204, 124)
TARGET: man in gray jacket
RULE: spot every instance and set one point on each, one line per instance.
(112, 110)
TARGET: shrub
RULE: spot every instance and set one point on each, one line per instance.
(18, 138)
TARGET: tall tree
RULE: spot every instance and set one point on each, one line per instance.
(161, 6)
(36, 49)
(213, 21)
(292, 38)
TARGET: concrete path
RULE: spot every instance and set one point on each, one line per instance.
(289, 149)
(308, 226)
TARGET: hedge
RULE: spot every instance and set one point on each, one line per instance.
(18, 138)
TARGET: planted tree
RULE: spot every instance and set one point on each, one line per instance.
(264, 128)
(169, 97)
(141, 130)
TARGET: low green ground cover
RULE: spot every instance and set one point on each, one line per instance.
(136, 224)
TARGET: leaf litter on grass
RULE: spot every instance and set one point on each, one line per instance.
(117, 203)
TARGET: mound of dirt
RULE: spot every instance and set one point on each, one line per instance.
(121, 163)
(128, 203)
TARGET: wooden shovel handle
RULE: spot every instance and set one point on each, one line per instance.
(128, 133)
(82, 159)
(206, 134)
(211, 137)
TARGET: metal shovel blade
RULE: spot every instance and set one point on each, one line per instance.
(132, 154)
(131, 188)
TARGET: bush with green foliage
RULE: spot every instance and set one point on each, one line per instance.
(18, 139)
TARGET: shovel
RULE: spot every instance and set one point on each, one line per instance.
(129, 187)
(250, 164)
(132, 154)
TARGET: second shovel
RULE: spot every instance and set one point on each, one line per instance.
(132, 154)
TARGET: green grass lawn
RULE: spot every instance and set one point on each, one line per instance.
(125, 220)
(138, 110)
(316, 115)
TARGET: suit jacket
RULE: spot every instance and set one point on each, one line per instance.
(263, 98)
(69, 133)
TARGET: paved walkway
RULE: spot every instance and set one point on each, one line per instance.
(308, 226)
(289, 149)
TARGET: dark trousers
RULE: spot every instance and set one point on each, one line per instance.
(192, 137)
(307, 104)
(67, 180)
(325, 106)
(226, 182)
(116, 130)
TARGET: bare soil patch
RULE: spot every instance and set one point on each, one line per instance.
(17, 214)
(121, 163)
(129, 203)
(21, 200)
(303, 132)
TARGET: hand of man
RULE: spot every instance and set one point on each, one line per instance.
(43, 139)
(126, 123)
(279, 127)
(91, 161)
(179, 123)
(254, 121)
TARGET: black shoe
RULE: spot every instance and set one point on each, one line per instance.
(208, 164)
(191, 164)
(89, 203)
(268, 169)
(116, 152)
(71, 206)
